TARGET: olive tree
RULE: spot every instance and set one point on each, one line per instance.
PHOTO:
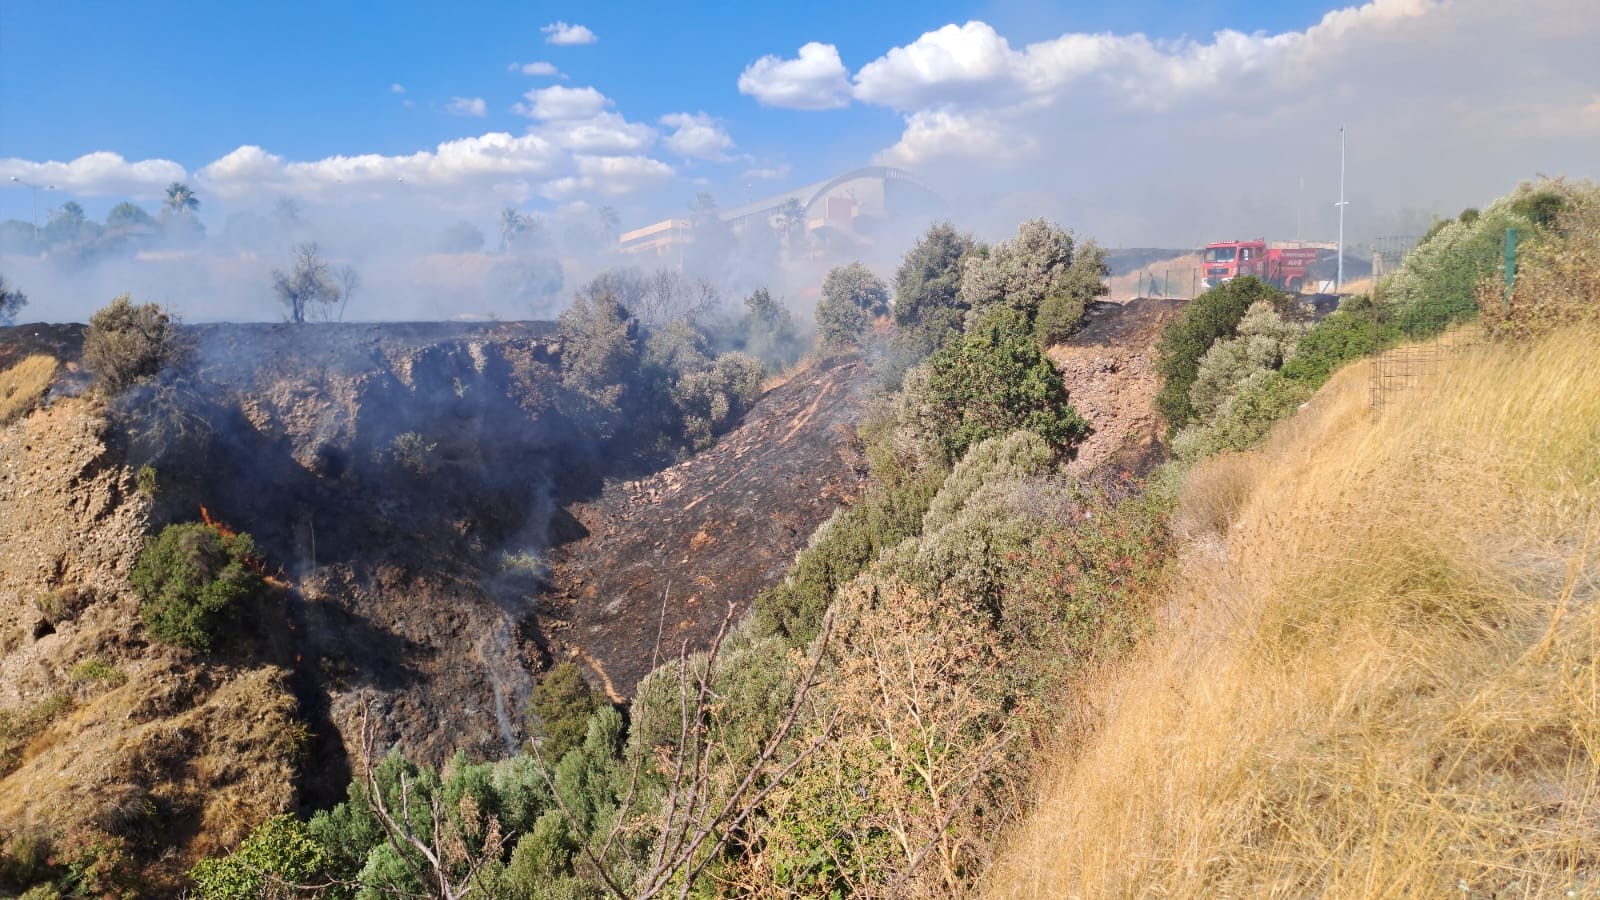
(309, 282)
(851, 298)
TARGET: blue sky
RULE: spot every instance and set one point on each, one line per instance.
(192, 81)
(1108, 115)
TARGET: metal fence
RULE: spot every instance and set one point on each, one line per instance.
(1418, 339)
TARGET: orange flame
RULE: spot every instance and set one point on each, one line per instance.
(221, 527)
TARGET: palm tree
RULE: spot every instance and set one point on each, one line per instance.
(792, 222)
(180, 199)
(512, 223)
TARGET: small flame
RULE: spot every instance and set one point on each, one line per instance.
(218, 524)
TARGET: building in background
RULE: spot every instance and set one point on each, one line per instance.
(836, 214)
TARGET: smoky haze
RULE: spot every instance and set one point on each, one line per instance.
(1132, 140)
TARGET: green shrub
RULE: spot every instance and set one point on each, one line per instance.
(1017, 455)
(1558, 273)
(995, 381)
(1212, 315)
(1264, 341)
(1062, 309)
(127, 344)
(414, 453)
(193, 581)
(279, 853)
(1339, 338)
(928, 310)
(768, 332)
(1438, 284)
(1244, 418)
(25, 859)
(711, 400)
(96, 669)
(144, 480)
(839, 549)
(851, 298)
(562, 702)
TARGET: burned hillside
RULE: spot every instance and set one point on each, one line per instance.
(673, 551)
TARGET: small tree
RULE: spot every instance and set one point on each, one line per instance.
(928, 283)
(851, 297)
(126, 215)
(1210, 316)
(995, 381)
(768, 331)
(349, 282)
(193, 580)
(562, 702)
(599, 349)
(11, 301)
(1061, 311)
(308, 282)
(127, 344)
(1017, 273)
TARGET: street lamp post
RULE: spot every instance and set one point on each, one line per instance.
(34, 190)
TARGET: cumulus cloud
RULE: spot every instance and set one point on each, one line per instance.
(697, 136)
(610, 176)
(1137, 138)
(101, 174)
(580, 119)
(397, 88)
(451, 164)
(605, 132)
(539, 69)
(815, 79)
(467, 106)
(562, 103)
(564, 35)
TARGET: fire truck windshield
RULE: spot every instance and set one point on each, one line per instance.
(1221, 254)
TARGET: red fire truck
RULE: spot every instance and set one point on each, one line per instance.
(1281, 263)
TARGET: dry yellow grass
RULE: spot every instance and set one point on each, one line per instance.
(23, 384)
(1382, 680)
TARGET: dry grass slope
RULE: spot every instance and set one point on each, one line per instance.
(23, 384)
(1380, 676)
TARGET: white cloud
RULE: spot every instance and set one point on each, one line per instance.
(397, 88)
(562, 34)
(697, 136)
(563, 103)
(933, 135)
(539, 69)
(1177, 140)
(451, 164)
(467, 106)
(610, 176)
(816, 79)
(604, 132)
(100, 174)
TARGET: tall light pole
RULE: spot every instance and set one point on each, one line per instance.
(34, 188)
(1338, 279)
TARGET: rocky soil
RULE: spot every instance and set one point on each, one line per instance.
(1109, 369)
(105, 739)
